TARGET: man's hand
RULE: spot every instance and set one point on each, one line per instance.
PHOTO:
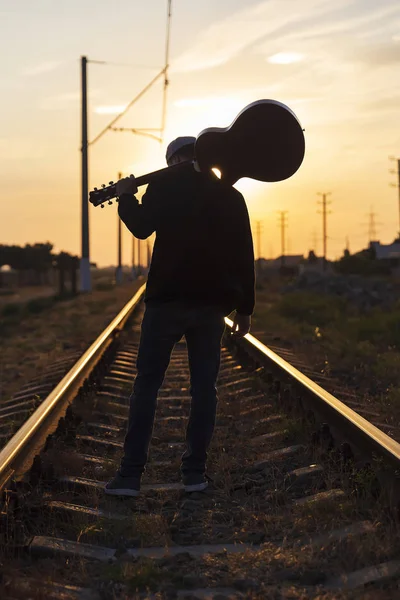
(241, 325)
(127, 185)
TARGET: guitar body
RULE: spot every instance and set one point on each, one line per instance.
(264, 142)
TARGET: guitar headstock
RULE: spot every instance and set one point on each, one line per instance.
(106, 193)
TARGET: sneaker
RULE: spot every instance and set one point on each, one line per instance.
(195, 483)
(123, 486)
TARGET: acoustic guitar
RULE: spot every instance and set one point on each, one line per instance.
(264, 142)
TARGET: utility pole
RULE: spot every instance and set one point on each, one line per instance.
(84, 267)
(166, 81)
(134, 273)
(283, 225)
(154, 133)
(258, 233)
(139, 266)
(324, 227)
(259, 227)
(118, 273)
(397, 185)
(148, 255)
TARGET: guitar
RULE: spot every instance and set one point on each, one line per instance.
(264, 142)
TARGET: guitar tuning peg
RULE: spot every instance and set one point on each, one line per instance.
(109, 202)
(102, 205)
(95, 189)
(111, 183)
(103, 185)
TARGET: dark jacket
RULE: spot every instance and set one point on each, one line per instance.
(203, 252)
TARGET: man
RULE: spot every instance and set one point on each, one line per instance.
(202, 269)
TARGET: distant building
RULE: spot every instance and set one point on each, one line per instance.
(385, 251)
(290, 261)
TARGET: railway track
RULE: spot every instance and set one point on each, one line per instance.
(302, 500)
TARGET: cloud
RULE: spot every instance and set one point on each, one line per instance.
(285, 58)
(224, 40)
(378, 55)
(64, 101)
(110, 109)
(45, 67)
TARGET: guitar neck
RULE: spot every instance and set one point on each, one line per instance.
(98, 197)
(154, 175)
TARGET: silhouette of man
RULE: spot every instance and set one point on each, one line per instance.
(202, 269)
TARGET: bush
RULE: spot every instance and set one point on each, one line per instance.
(37, 305)
(10, 310)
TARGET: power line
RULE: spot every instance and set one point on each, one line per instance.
(131, 103)
(371, 226)
(142, 131)
(166, 80)
(85, 275)
(283, 225)
(128, 65)
(397, 185)
(164, 71)
(324, 203)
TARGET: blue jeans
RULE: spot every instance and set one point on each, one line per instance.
(162, 327)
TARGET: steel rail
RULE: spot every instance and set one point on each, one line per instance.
(358, 430)
(353, 426)
(69, 384)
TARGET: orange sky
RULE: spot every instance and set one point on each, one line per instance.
(335, 64)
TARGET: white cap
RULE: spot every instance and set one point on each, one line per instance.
(179, 143)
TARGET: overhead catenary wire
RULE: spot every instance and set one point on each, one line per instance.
(128, 106)
(164, 71)
(127, 65)
(85, 284)
(166, 66)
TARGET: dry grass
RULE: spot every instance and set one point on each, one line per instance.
(357, 351)
(241, 508)
(70, 326)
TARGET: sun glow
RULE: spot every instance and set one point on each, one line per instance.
(110, 110)
(285, 58)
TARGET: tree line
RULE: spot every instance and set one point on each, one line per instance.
(39, 259)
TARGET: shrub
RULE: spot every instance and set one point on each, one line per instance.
(37, 305)
(10, 310)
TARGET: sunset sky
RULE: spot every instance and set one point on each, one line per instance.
(336, 64)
